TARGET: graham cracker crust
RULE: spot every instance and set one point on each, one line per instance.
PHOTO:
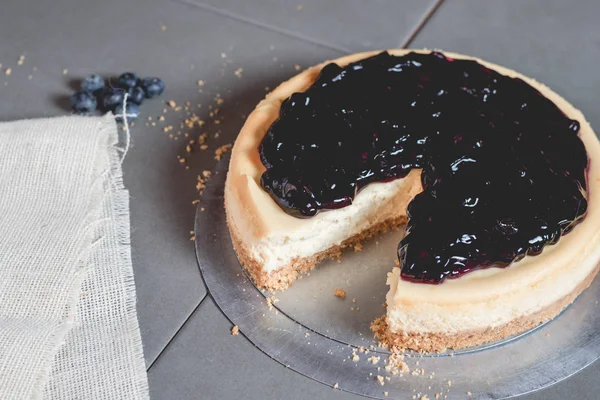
(282, 278)
(439, 342)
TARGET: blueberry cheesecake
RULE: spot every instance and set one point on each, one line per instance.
(495, 176)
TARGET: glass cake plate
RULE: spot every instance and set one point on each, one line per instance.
(309, 330)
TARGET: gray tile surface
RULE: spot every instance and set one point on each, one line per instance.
(207, 362)
(346, 25)
(553, 41)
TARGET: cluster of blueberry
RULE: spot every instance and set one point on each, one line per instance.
(503, 168)
(95, 94)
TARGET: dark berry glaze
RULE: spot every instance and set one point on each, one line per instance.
(503, 168)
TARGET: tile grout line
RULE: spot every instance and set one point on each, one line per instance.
(160, 353)
(421, 24)
(264, 26)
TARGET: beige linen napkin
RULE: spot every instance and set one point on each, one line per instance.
(68, 322)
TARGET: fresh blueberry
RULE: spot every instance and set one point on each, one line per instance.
(136, 95)
(111, 98)
(92, 84)
(152, 87)
(131, 109)
(83, 102)
(128, 80)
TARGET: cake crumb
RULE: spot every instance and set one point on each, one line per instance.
(171, 104)
(235, 330)
(437, 395)
(469, 393)
(449, 383)
(21, 60)
(336, 386)
(222, 150)
(238, 72)
(380, 380)
(385, 394)
(194, 202)
(355, 357)
(424, 397)
(65, 71)
(299, 7)
(297, 67)
(373, 359)
(397, 263)
(341, 293)
(357, 247)
(200, 82)
(306, 334)
(163, 28)
(8, 71)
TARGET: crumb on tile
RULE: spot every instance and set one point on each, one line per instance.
(222, 150)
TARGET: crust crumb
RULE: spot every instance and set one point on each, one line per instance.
(373, 359)
(341, 293)
(222, 150)
(357, 247)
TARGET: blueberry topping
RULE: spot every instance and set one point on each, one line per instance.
(136, 95)
(152, 87)
(111, 98)
(131, 109)
(128, 80)
(92, 84)
(503, 168)
(83, 102)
